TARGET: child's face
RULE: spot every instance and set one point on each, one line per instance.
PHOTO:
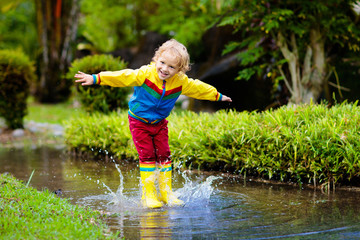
(167, 65)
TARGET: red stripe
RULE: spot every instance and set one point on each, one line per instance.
(153, 86)
(159, 91)
(146, 163)
(175, 90)
(166, 163)
(99, 78)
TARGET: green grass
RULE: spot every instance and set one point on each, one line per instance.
(52, 113)
(26, 213)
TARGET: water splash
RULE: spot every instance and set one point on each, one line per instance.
(194, 192)
(119, 198)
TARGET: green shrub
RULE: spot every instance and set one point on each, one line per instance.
(97, 98)
(93, 134)
(306, 144)
(16, 74)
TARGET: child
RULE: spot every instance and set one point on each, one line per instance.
(157, 87)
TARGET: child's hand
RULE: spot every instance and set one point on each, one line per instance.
(226, 99)
(85, 79)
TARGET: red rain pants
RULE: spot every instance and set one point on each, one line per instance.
(151, 140)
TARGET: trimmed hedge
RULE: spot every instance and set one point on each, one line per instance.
(306, 144)
(96, 98)
(16, 74)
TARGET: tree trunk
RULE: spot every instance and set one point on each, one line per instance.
(293, 67)
(57, 25)
(318, 74)
(307, 80)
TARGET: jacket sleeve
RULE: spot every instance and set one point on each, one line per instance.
(200, 90)
(122, 78)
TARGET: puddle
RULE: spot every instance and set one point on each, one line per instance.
(216, 207)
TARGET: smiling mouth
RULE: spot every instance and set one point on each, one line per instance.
(163, 74)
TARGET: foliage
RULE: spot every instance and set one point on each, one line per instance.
(123, 22)
(99, 98)
(302, 143)
(18, 27)
(188, 20)
(38, 215)
(293, 36)
(16, 74)
(101, 134)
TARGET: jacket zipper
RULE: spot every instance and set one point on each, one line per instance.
(162, 95)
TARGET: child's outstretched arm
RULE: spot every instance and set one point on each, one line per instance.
(84, 79)
(226, 99)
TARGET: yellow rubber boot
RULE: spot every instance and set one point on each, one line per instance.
(166, 194)
(149, 198)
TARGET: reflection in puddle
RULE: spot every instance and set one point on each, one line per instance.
(215, 207)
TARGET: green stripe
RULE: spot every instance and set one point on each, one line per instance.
(151, 91)
(171, 96)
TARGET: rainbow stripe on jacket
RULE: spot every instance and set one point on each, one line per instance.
(153, 99)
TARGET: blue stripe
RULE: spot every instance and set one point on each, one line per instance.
(166, 169)
(147, 169)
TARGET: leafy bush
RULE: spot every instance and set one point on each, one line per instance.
(93, 134)
(306, 144)
(16, 74)
(97, 98)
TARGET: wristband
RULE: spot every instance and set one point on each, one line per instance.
(219, 97)
(94, 77)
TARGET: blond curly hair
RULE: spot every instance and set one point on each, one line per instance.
(176, 49)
